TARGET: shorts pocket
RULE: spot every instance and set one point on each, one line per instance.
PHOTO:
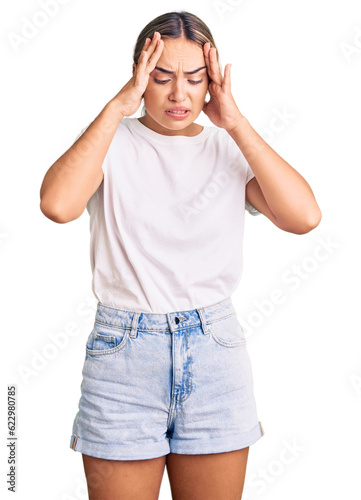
(106, 339)
(227, 331)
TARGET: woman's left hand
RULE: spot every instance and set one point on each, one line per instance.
(221, 109)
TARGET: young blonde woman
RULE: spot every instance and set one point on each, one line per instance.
(167, 379)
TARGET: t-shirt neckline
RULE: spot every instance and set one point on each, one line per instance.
(168, 139)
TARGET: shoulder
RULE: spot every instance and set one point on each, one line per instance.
(221, 138)
(125, 125)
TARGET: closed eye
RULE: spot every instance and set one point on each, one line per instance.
(191, 81)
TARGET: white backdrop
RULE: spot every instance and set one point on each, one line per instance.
(296, 60)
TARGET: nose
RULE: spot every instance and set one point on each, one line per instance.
(178, 92)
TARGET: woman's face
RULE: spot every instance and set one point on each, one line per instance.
(176, 88)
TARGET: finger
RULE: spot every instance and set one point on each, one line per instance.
(206, 48)
(215, 71)
(152, 61)
(141, 67)
(153, 45)
(141, 57)
(227, 76)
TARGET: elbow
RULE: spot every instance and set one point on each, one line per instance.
(312, 222)
(51, 213)
(302, 226)
(54, 213)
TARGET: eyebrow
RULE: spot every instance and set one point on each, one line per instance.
(186, 72)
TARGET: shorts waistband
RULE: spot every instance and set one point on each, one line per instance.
(167, 322)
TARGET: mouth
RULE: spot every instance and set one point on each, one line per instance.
(177, 113)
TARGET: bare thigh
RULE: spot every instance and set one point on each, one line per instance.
(216, 476)
(123, 479)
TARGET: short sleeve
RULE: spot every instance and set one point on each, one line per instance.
(250, 208)
(250, 173)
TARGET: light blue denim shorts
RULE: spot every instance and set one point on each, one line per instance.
(152, 383)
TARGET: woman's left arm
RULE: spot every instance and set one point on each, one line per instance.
(278, 191)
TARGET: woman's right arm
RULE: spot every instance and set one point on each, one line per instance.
(76, 175)
(72, 180)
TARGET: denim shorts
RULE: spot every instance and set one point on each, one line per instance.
(177, 382)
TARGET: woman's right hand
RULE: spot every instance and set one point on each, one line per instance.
(130, 96)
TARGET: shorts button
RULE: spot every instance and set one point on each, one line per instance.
(176, 319)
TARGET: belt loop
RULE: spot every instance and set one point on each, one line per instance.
(170, 322)
(133, 332)
(203, 320)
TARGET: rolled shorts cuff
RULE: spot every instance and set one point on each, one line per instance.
(217, 445)
(154, 450)
(142, 451)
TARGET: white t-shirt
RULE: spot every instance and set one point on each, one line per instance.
(167, 221)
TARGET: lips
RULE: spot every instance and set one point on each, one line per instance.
(178, 110)
(177, 115)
